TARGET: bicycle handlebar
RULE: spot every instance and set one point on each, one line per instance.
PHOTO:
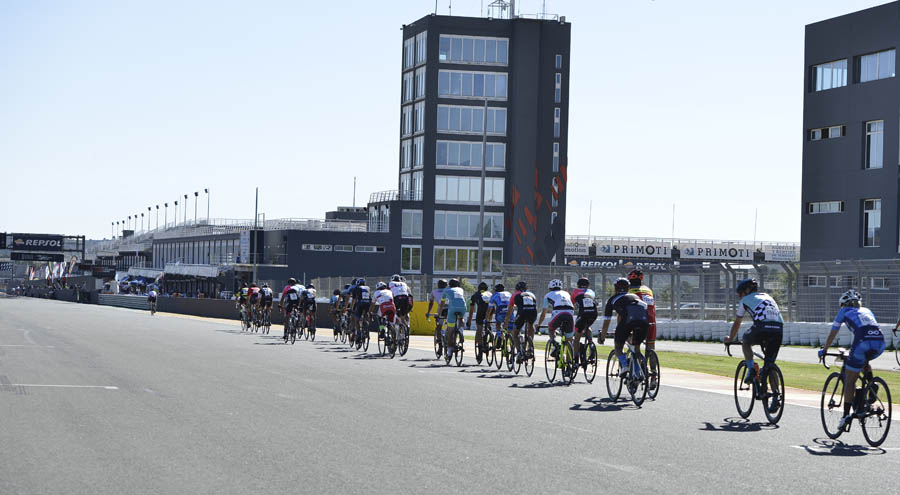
(839, 356)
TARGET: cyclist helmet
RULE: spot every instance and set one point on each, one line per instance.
(337, 292)
(747, 286)
(483, 286)
(360, 281)
(346, 286)
(402, 278)
(395, 278)
(555, 284)
(454, 282)
(636, 274)
(442, 284)
(243, 284)
(499, 288)
(292, 281)
(849, 296)
(253, 284)
(521, 285)
(622, 284)
(583, 283)
(310, 286)
(380, 285)
(265, 286)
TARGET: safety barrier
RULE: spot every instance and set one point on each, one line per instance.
(133, 302)
(795, 333)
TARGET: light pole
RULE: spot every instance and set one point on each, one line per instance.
(112, 225)
(184, 207)
(148, 218)
(175, 220)
(207, 205)
(129, 221)
(116, 232)
(157, 217)
(142, 221)
(195, 207)
(166, 215)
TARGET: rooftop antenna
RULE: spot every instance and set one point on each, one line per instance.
(500, 9)
(450, 8)
(354, 192)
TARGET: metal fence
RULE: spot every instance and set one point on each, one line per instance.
(419, 285)
(822, 283)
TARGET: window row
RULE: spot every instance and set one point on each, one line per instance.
(830, 132)
(414, 85)
(415, 50)
(844, 281)
(469, 49)
(412, 152)
(464, 225)
(411, 186)
(411, 225)
(214, 252)
(451, 118)
(379, 218)
(870, 67)
(451, 189)
(468, 154)
(474, 84)
(465, 260)
(825, 207)
(412, 119)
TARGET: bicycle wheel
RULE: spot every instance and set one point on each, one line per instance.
(438, 345)
(312, 328)
(293, 335)
(653, 374)
(243, 323)
(403, 343)
(773, 402)
(529, 356)
(510, 352)
(744, 395)
(550, 362)
(831, 406)
(613, 378)
(897, 355)
(499, 349)
(479, 350)
(876, 420)
(460, 346)
(638, 386)
(517, 360)
(392, 340)
(365, 339)
(570, 369)
(590, 357)
(488, 347)
(382, 342)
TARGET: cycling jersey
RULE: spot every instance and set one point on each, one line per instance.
(629, 307)
(334, 300)
(764, 310)
(500, 303)
(646, 295)
(436, 295)
(480, 300)
(524, 301)
(559, 301)
(384, 299)
(242, 295)
(456, 303)
(290, 294)
(151, 296)
(399, 288)
(584, 302)
(265, 296)
(308, 295)
(860, 321)
(361, 294)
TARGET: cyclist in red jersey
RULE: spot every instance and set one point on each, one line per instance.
(637, 287)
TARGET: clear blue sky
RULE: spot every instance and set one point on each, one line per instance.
(107, 107)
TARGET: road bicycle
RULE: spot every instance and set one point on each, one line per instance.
(266, 323)
(387, 337)
(560, 356)
(291, 322)
(499, 349)
(309, 324)
(402, 336)
(459, 348)
(336, 323)
(587, 357)
(483, 345)
(871, 403)
(526, 344)
(245, 318)
(438, 335)
(633, 377)
(766, 386)
(152, 308)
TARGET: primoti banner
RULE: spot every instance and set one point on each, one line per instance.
(634, 248)
(35, 242)
(782, 252)
(726, 251)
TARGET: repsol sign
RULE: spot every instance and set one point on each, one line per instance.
(36, 242)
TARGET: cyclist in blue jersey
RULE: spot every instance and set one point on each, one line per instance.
(434, 298)
(498, 307)
(768, 327)
(868, 344)
(454, 301)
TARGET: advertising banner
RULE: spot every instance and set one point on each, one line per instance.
(725, 251)
(634, 248)
(607, 264)
(576, 251)
(782, 252)
(35, 242)
(35, 257)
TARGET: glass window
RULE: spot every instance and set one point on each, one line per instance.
(450, 259)
(409, 53)
(825, 207)
(835, 131)
(830, 75)
(443, 118)
(874, 143)
(438, 260)
(476, 155)
(501, 86)
(456, 83)
(407, 87)
(556, 157)
(405, 154)
(421, 47)
(876, 66)
(456, 49)
(442, 151)
(454, 153)
(558, 63)
(420, 83)
(477, 120)
(419, 151)
(454, 119)
(465, 119)
(418, 185)
(479, 84)
(468, 50)
(467, 84)
(443, 83)
(490, 51)
(406, 121)
(412, 223)
(440, 188)
(420, 116)
(556, 120)
(872, 222)
(502, 47)
(479, 50)
(444, 49)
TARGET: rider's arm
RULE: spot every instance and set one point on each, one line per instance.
(734, 329)
(604, 330)
(828, 341)
(509, 310)
(471, 312)
(541, 319)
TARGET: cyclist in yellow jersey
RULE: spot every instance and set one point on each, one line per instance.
(637, 287)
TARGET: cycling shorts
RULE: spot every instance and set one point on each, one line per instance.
(651, 334)
(151, 299)
(863, 351)
(454, 311)
(266, 302)
(253, 298)
(565, 322)
(768, 336)
(403, 305)
(585, 321)
(638, 329)
(361, 308)
(290, 306)
(387, 310)
(309, 304)
(525, 316)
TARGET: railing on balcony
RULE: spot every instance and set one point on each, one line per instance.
(383, 196)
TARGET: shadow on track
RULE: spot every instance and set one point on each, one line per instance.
(535, 385)
(836, 448)
(598, 404)
(737, 425)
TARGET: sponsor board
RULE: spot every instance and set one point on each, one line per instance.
(606, 264)
(576, 251)
(782, 252)
(34, 242)
(36, 257)
(716, 251)
(634, 248)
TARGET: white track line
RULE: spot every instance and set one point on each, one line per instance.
(35, 385)
(28, 345)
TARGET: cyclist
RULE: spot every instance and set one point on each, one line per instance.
(480, 300)
(265, 299)
(435, 297)
(253, 297)
(334, 304)
(403, 299)
(498, 306)
(345, 296)
(767, 329)
(454, 305)
(637, 287)
(242, 296)
(525, 304)
(383, 300)
(585, 312)
(559, 303)
(151, 299)
(308, 304)
(632, 320)
(868, 344)
(360, 299)
(290, 299)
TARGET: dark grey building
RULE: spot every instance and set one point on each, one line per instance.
(850, 137)
(451, 66)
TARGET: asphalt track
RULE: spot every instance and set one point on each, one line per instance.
(105, 400)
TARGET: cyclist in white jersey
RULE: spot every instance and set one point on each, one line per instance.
(403, 300)
(562, 312)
